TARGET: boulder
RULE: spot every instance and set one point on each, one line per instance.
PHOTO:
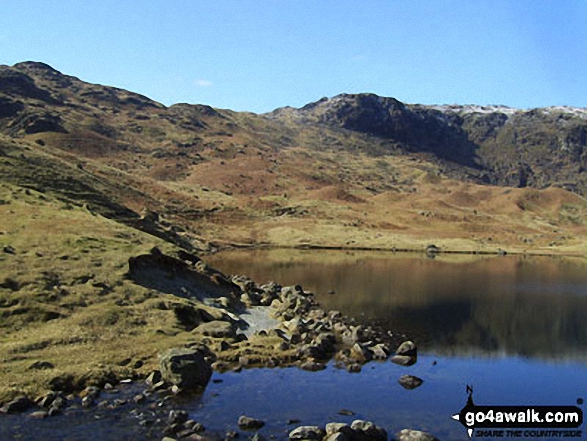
(360, 353)
(407, 348)
(403, 360)
(248, 423)
(18, 405)
(307, 433)
(216, 329)
(380, 351)
(368, 431)
(410, 382)
(186, 368)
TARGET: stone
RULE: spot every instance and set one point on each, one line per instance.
(46, 400)
(39, 414)
(18, 405)
(161, 385)
(332, 428)
(216, 329)
(307, 433)
(177, 417)
(403, 360)
(42, 365)
(87, 402)
(186, 368)
(369, 430)
(339, 436)
(9, 249)
(414, 435)
(380, 351)
(313, 366)
(91, 392)
(407, 348)
(410, 382)
(360, 353)
(248, 423)
(153, 378)
(354, 368)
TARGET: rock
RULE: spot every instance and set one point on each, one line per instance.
(369, 431)
(339, 436)
(354, 368)
(39, 414)
(216, 329)
(360, 353)
(346, 412)
(153, 378)
(410, 382)
(414, 435)
(407, 348)
(91, 392)
(332, 428)
(161, 385)
(9, 249)
(258, 437)
(313, 366)
(307, 433)
(42, 365)
(380, 351)
(46, 400)
(248, 423)
(186, 368)
(87, 402)
(403, 360)
(18, 405)
(177, 417)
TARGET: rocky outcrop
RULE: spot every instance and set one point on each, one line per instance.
(179, 277)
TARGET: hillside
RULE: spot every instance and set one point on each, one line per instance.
(357, 171)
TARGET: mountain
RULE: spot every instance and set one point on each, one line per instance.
(504, 146)
(349, 171)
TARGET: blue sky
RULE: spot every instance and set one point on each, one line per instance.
(258, 55)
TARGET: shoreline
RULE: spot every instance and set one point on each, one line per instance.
(299, 334)
(217, 248)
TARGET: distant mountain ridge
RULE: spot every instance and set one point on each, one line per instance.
(512, 147)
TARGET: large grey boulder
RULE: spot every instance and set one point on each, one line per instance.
(410, 382)
(186, 368)
(216, 329)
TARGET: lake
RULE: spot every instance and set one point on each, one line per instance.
(514, 327)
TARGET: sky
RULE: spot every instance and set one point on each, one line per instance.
(258, 55)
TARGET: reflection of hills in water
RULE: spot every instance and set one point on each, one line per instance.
(529, 306)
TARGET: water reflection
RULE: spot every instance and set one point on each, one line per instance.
(514, 305)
